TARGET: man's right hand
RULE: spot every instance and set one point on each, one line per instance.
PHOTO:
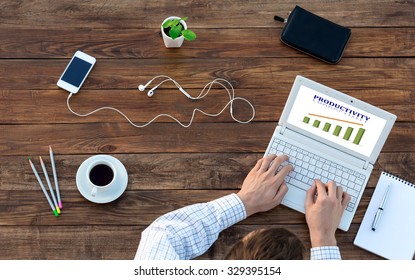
(324, 207)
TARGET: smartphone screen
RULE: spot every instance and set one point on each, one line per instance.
(76, 71)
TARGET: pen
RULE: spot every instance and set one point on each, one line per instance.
(55, 177)
(381, 208)
(49, 185)
(43, 188)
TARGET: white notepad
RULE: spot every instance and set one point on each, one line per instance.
(394, 237)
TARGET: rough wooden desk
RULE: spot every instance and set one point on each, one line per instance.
(169, 166)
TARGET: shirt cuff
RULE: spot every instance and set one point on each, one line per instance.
(232, 208)
(325, 253)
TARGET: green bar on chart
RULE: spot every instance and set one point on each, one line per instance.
(316, 123)
(326, 127)
(337, 130)
(347, 134)
(306, 119)
(359, 136)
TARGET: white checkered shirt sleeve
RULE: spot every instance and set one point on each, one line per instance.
(189, 232)
(325, 253)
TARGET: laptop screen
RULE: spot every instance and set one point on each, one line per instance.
(336, 121)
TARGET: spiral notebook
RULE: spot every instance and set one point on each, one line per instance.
(394, 237)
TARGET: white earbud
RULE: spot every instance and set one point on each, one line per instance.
(143, 87)
(150, 93)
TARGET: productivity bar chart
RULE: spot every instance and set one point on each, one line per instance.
(349, 131)
(335, 123)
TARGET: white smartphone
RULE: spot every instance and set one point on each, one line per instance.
(76, 72)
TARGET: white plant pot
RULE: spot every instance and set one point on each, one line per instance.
(168, 41)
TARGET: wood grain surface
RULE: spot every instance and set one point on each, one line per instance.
(169, 166)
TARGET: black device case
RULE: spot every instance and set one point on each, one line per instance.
(315, 35)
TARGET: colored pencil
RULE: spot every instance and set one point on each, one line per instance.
(55, 177)
(45, 172)
(43, 189)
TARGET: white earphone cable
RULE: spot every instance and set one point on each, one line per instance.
(202, 94)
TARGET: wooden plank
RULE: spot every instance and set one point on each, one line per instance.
(203, 14)
(69, 243)
(146, 171)
(147, 43)
(166, 171)
(49, 106)
(26, 208)
(96, 138)
(121, 242)
(247, 73)
(133, 208)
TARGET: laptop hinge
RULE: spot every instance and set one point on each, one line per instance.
(366, 165)
(283, 128)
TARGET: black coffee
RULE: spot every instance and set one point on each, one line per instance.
(101, 175)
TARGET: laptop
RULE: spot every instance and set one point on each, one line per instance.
(328, 135)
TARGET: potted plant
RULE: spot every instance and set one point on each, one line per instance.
(174, 31)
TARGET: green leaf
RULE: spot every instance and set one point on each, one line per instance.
(189, 35)
(171, 23)
(167, 24)
(175, 22)
(175, 31)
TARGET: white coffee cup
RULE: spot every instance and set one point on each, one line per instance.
(101, 175)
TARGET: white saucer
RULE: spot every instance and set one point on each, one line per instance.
(104, 195)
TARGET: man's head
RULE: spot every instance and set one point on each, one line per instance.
(268, 244)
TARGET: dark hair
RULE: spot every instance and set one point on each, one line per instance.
(268, 244)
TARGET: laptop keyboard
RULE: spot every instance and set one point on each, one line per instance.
(309, 166)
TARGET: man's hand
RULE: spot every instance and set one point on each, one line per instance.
(324, 207)
(264, 188)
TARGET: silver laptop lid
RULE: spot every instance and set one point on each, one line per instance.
(336, 119)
